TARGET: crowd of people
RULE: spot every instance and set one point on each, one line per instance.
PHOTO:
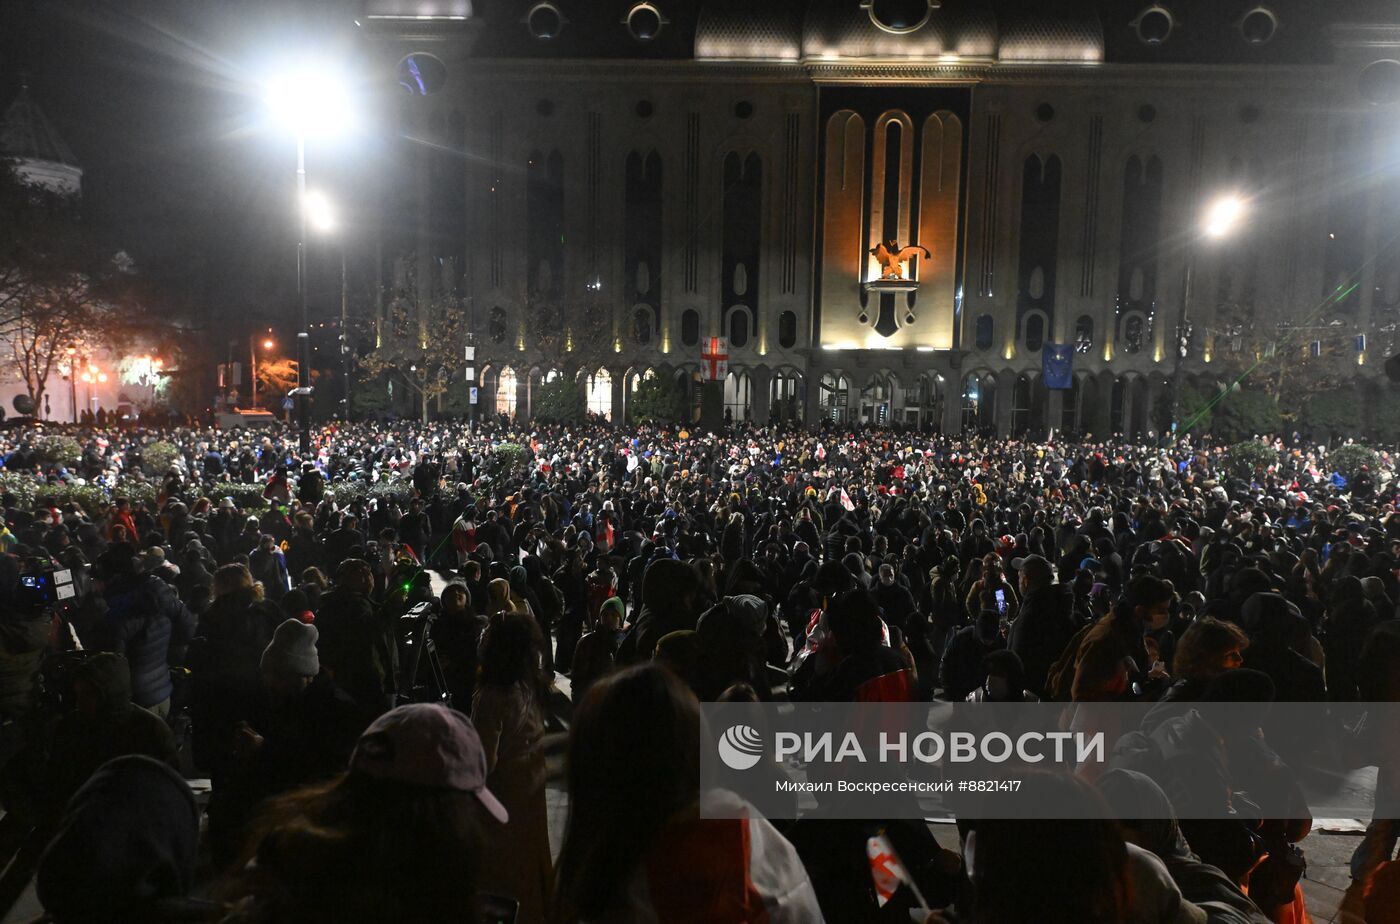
(265, 622)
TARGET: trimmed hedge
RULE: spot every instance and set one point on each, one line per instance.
(508, 456)
(1349, 458)
(158, 457)
(1245, 458)
(56, 449)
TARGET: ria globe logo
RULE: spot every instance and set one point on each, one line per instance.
(740, 747)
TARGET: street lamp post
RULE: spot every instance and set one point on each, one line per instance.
(73, 381)
(321, 215)
(253, 363)
(344, 332)
(303, 336)
(1221, 218)
(311, 100)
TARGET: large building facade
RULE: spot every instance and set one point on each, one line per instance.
(723, 168)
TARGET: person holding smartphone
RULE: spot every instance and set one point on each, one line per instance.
(993, 582)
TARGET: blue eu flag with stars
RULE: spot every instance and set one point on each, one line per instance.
(1057, 365)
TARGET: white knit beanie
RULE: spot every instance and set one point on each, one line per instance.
(293, 650)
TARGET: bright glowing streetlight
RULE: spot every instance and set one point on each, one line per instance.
(268, 344)
(310, 101)
(1223, 216)
(320, 214)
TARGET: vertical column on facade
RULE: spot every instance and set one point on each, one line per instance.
(1102, 407)
(810, 382)
(760, 385)
(1054, 408)
(1005, 398)
(952, 402)
(1149, 404)
(1129, 420)
(619, 402)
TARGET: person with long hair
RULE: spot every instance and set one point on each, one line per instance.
(399, 837)
(1208, 648)
(643, 853)
(508, 709)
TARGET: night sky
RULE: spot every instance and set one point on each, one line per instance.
(160, 101)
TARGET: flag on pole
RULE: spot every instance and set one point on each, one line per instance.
(888, 872)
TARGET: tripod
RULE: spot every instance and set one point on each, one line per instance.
(416, 648)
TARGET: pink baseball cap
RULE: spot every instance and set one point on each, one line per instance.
(427, 744)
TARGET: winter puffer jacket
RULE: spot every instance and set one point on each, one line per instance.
(144, 614)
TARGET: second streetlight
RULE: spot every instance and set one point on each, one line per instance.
(1221, 218)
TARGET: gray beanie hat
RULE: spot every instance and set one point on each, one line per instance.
(293, 650)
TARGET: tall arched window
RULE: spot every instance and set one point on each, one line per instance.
(740, 225)
(1039, 236)
(506, 389)
(1132, 334)
(984, 331)
(641, 326)
(738, 327)
(496, 327)
(1141, 234)
(690, 327)
(1035, 333)
(787, 330)
(600, 393)
(1084, 334)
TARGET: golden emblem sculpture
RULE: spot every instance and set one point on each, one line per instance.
(892, 257)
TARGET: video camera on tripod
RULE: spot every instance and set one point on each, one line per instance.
(415, 648)
(43, 587)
